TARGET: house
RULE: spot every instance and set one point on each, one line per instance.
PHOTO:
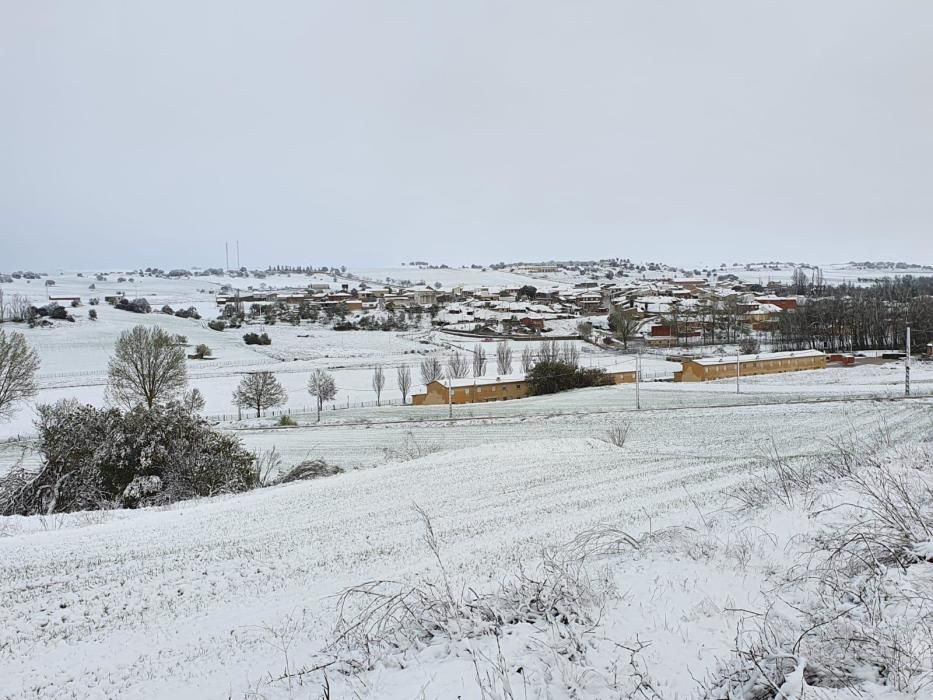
(532, 322)
(707, 368)
(423, 296)
(783, 303)
(472, 390)
(929, 352)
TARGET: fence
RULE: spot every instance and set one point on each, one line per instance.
(248, 414)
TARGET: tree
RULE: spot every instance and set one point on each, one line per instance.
(479, 361)
(18, 365)
(201, 351)
(585, 329)
(552, 377)
(259, 390)
(528, 360)
(749, 345)
(549, 351)
(403, 377)
(193, 401)
(526, 292)
(570, 354)
(431, 370)
(457, 366)
(623, 322)
(503, 358)
(321, 386)
(379, 381)
(147, 367)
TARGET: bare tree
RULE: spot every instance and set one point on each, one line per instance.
(259, 390)
(18, 365)
(379, 381)
(19, 308)
(403, 377)
(194, 400)
(457, 366)
(431, 370)
(549, 351)
(528, 360)
(503, 358)
(321, 386)
(570, 354)
(479, 361)
(147, 367)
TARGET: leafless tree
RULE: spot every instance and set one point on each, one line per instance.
(431, 370)
(2, 307)
(479, 361)
(147, 367)
(194, 401)
(749, 345)
(259, 390)
(503, 358)
(549, 351)
(18, 365)
(457, 366)
(19, 307)
(321, 386)
(570, 354)
(379, 381)
(528, 360)
(403, 377)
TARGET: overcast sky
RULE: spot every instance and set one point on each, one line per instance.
(344, 132)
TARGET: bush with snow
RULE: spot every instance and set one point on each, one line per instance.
(90, 456)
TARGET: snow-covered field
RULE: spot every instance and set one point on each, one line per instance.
(206, 599)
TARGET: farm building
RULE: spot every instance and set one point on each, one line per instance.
(483, 389)
(472, 390)
(706, 368)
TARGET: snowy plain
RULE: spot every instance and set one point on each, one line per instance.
(220, 597)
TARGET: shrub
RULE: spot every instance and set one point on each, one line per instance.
(618, 434)
(168, 310)
(254, 339)
(216, 325)
(555, 376)
(286, 422)
(201, 351)
(92, 314)
(190, 312)
(138, 306)
(92, 456)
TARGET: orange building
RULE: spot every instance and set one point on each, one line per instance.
(704, 369)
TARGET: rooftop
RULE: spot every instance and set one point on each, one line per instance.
(731, 359)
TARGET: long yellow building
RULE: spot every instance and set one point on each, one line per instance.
(483, 389)
(704, 369)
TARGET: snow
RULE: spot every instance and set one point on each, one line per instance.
(185, 602)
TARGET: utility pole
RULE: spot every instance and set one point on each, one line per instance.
(907, 366)
(638, 381)
(238, 254)
(226, 257)
(450, 403)
(738, 365)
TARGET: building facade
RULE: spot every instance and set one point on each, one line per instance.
(705, 369)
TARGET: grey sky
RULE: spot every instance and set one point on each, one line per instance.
(148, 133)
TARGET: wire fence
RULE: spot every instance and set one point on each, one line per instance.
(248, 414)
